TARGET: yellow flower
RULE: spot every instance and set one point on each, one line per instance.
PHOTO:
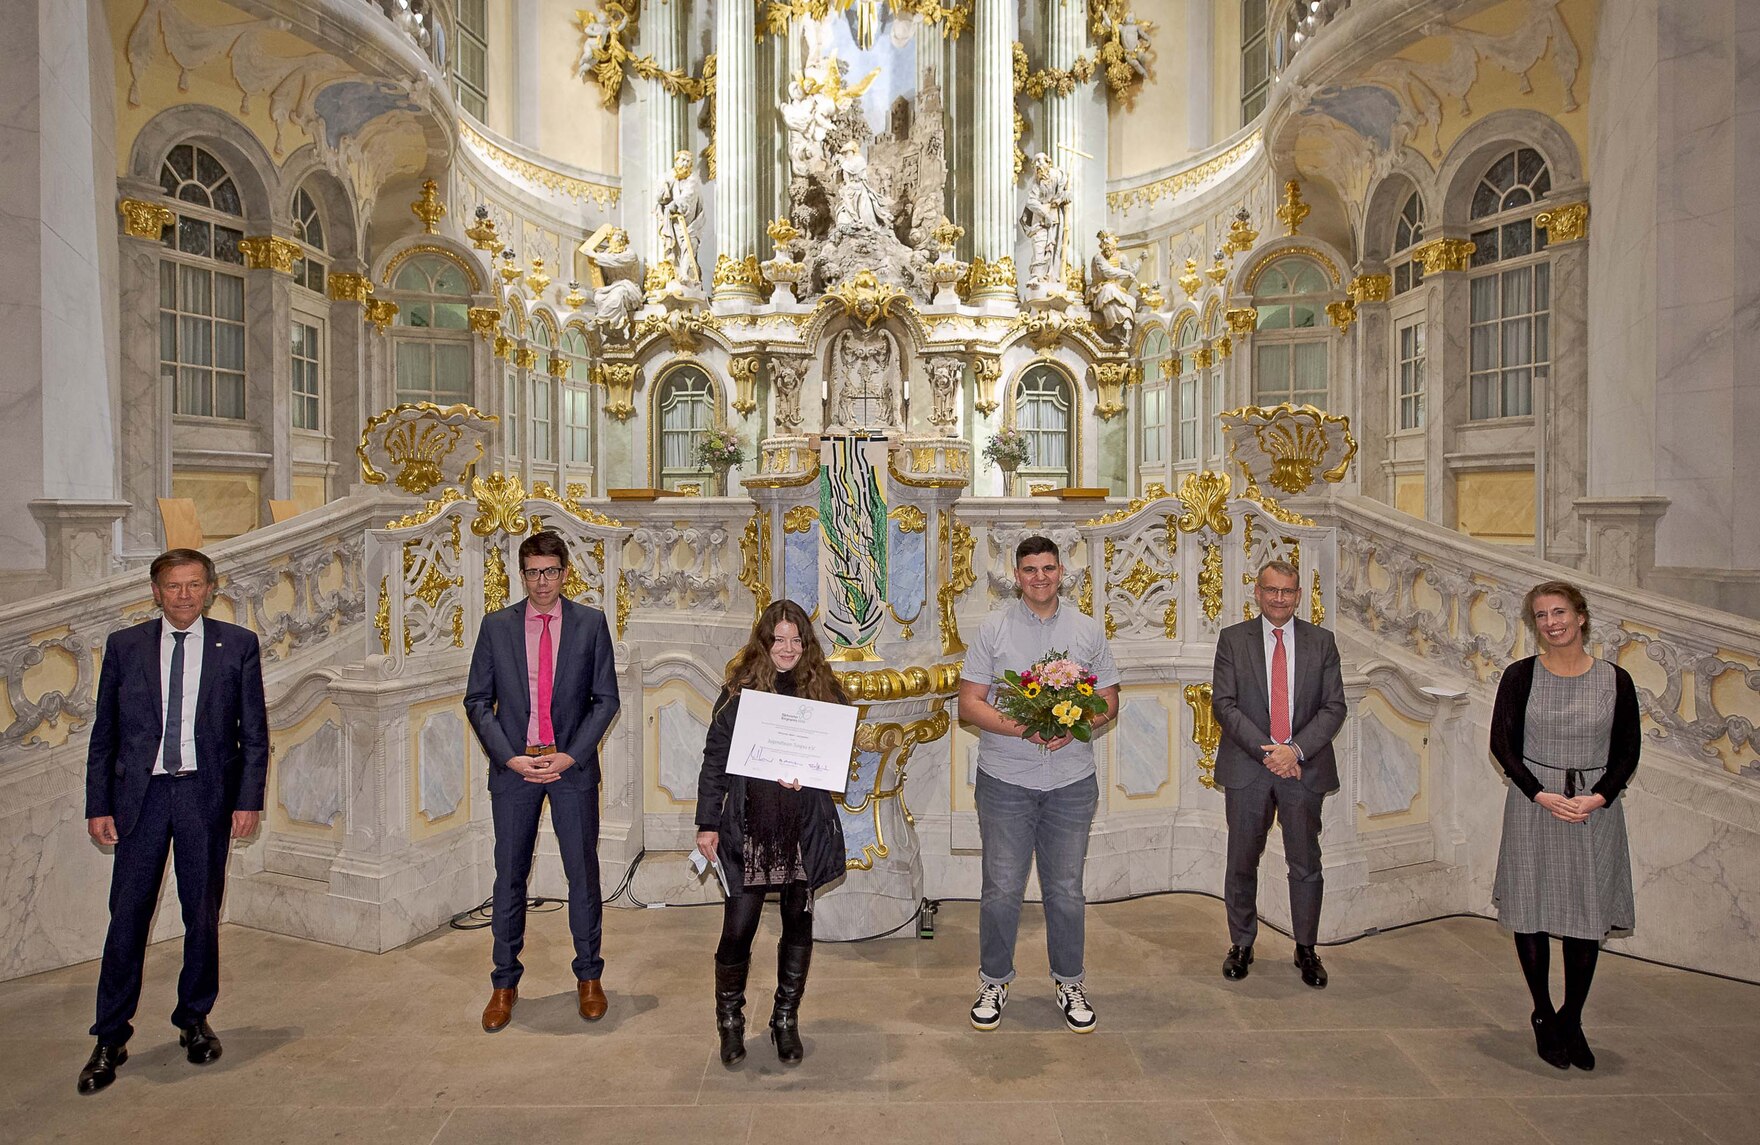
(1085, 689)
(1030, 691)
(1066, 713)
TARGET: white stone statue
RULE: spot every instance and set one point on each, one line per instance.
(1112, 286)
(786, 376)
(858, 204)
(808, 117)
(864, 373)
(945, 375)
(617, 280)
(1046, 221)
(679, 209)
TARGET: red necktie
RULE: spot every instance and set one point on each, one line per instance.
(1279, 690)
(546, 670)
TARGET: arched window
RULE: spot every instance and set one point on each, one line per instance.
(1290, 349)
(1043, 404)
(201, 286)
(470, 55)
(685, 407)
(432, 342)
(577, 399)
(308, 230)
(1511, 287)
(1152, 396)
(1255, 59)
(1408, 232)
(543, 438)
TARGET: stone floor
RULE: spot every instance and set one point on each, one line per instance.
(1421, 1037)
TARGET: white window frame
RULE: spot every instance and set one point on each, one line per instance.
(311, 397)
(1046, 413)
(430, 339)
(1255, 46)
(682, 414)
(470, 42)
(1409, 398)
(1509, 351)
(177, 322)
(1289, 341)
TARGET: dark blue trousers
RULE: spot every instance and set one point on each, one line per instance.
(574, 813)
(175, 818)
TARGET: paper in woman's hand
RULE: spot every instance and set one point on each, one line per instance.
(785, 738)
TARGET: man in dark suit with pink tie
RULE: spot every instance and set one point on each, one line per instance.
(542, 692)
(1278, 693)
(177, 763)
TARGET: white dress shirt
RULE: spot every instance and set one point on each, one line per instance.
(192, 682)
(1289, 656)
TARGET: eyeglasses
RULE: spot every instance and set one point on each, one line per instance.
(541, 574)
(1279, 593)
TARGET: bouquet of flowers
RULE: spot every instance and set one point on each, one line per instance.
(1051, 698)
(1007, 450)
(718, 447)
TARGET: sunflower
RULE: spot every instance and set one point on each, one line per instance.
(1085, 689)
(1030, 691)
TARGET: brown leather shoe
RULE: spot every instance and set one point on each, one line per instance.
(499, 1011)
(593, 1002)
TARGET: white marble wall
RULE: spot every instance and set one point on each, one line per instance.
(57, 300)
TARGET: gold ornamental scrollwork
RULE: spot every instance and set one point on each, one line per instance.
(1185, 180)
(990, 279)
(1566, 224)
(1210, 580)
(986, 372)
(485, 321)
(1316, 604)
(754, 569)
(619, 380)
(345, 286)
(1285, 446)
(884, 684)
(604, 195)
(428, 207)
(1443, 256)
(379, 312)
(269, 252)
(745, 379)
(604, 43)
(910, 519)
(427, 512)
(382, 616)
(496, 588)
(1293, 210)
(625, 602)
(500, 501)
(419, 440)
(956, 542)
(863, 297)
(1110, 378)
(1241, 320)
(1370, 288)
(141, 220)
(884, 740)
(800, 519)
(1206, 498)
(1343, 313)
(1206, 731)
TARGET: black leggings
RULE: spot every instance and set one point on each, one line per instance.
(1580, 954)
(739, 922)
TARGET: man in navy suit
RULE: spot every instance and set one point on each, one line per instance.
(542, 691)
(179, 755)
(1278, 693)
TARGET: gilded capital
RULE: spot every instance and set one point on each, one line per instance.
(1441, 256)
(144, 220)
(380, 312)
(991, 279)
(1566, 224)
(348, 287)
(1342, 313)
(739, 276)
(1370, 288)
(269, 252)
(485, 320)
(986, 371)
(1242, 320)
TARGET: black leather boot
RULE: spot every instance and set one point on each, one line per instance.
(791, 983)
(730, 1010)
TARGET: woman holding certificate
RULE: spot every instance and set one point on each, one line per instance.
(767, 835)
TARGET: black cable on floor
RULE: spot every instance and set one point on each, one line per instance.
(479, 917)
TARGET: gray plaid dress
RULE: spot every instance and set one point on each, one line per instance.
(1567, 879)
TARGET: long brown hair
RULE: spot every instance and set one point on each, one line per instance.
(751, 666)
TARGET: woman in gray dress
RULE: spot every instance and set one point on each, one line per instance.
(1565, 730)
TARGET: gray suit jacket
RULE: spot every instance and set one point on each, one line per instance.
(1243, 706)
(583, 699)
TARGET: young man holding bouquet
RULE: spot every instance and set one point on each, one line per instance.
(1279, 696)
(1038, 683)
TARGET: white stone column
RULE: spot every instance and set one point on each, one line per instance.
(993, 216)
(736, 183)
(1200, 31)
(526, 73)
(1066, 37)
(664, 123)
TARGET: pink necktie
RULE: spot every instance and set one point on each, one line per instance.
(1279, 690)
(546, 669)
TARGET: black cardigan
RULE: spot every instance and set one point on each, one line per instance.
(1509, 720)
(721, 802)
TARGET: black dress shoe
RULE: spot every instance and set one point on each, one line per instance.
(100, 1068)
(1313, 973)
(201, 1042)
(1576, 1046)
(1235, 965)
(1549, 1042)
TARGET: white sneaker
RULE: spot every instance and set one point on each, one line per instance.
(987, 1010)
(1073, 1001)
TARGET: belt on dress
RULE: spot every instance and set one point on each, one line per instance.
(1571, 774)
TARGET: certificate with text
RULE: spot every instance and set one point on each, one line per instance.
(786, 738)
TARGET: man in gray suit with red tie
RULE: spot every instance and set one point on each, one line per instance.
(179, 755)
(542, 691)
(1278, 693)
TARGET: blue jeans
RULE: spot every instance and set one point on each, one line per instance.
(1016, 825)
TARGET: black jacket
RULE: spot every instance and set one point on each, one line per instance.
(721, 801)
(1509, 718)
